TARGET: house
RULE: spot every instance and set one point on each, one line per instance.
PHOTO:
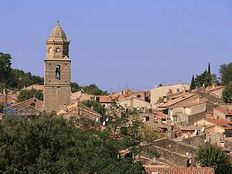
(223, 112)
(79, 110)
(34, 86)
(160, 169)
(30, 107)
(161, 92)
(181, 113)
(216, 125)
(215, 91)
(80, 95)
(105, 100)
(135, 103)
(186, 108)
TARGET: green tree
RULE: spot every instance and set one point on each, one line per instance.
(225, 71)
(5, 68)
(192, 85)
(204, 79)
(209, 69)
(75, 87)
(227, 93)
(95, 105)
(210, 155)
(94, 90)
(1, 107)
(53, 145)
(26, 94)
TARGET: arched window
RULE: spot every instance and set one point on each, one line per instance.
(57, 49)
(49, 49)
(58, 72)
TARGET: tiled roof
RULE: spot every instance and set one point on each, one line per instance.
(226, 111)
(218, 122)
(190, 104)
(179, 170)
(105, 99)
(177, 100)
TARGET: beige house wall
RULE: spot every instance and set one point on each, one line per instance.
(134, 103)
(82, 96)
(163, 91)
(182, 113)
(218, 114)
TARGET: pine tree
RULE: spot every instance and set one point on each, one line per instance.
(193, 85)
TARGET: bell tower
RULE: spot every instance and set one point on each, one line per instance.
(57, 71)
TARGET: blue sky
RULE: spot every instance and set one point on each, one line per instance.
(122, 43)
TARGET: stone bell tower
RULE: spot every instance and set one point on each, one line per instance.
(57, 71)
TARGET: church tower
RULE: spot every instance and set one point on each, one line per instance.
(57, 71)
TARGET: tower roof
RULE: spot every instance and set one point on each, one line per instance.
(57, 34)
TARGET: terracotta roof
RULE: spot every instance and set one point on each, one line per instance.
(219, 122)
(105, 99)
(177, 100)
(179, 170)
(160, 115)
(24, 104)
(226, 111)
(190, 104)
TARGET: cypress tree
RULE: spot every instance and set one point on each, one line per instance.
(193, 85)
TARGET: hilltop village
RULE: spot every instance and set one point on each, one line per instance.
(177, 118)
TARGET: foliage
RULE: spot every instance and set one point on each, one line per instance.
(1, 107)
(95, 105)
(227, 93)
(210, 155)
(5, 68)
(89, 89)
(27, 94)
(193, 85)
(94, 90)
(204, 79)
(149, 135)
(225, 71)
(53, 145)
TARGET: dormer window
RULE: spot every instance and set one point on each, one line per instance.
(58, 72)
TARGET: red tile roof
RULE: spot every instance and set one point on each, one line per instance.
(179, 170)
(226, 111)
(218, 122)
(105, 99)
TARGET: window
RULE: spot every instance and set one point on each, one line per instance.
(58, 72)
(58, 50)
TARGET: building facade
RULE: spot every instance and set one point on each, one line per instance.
(57, 71)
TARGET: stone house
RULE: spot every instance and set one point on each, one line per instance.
(30, 107)
(134, 103)
(161, 92)
(223, 112)
(80, 95)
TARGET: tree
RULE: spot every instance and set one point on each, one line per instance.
(5, 68)
(53, 145)
(94, 90)
(210, 155)
(95, 105)
(1, 107)
(192, 85)
(204, 79)
(209, 69)
(26, 94)
(227, 93)
(225, 71)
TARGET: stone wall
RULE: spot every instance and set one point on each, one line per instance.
(195, 141)
(194, 118)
